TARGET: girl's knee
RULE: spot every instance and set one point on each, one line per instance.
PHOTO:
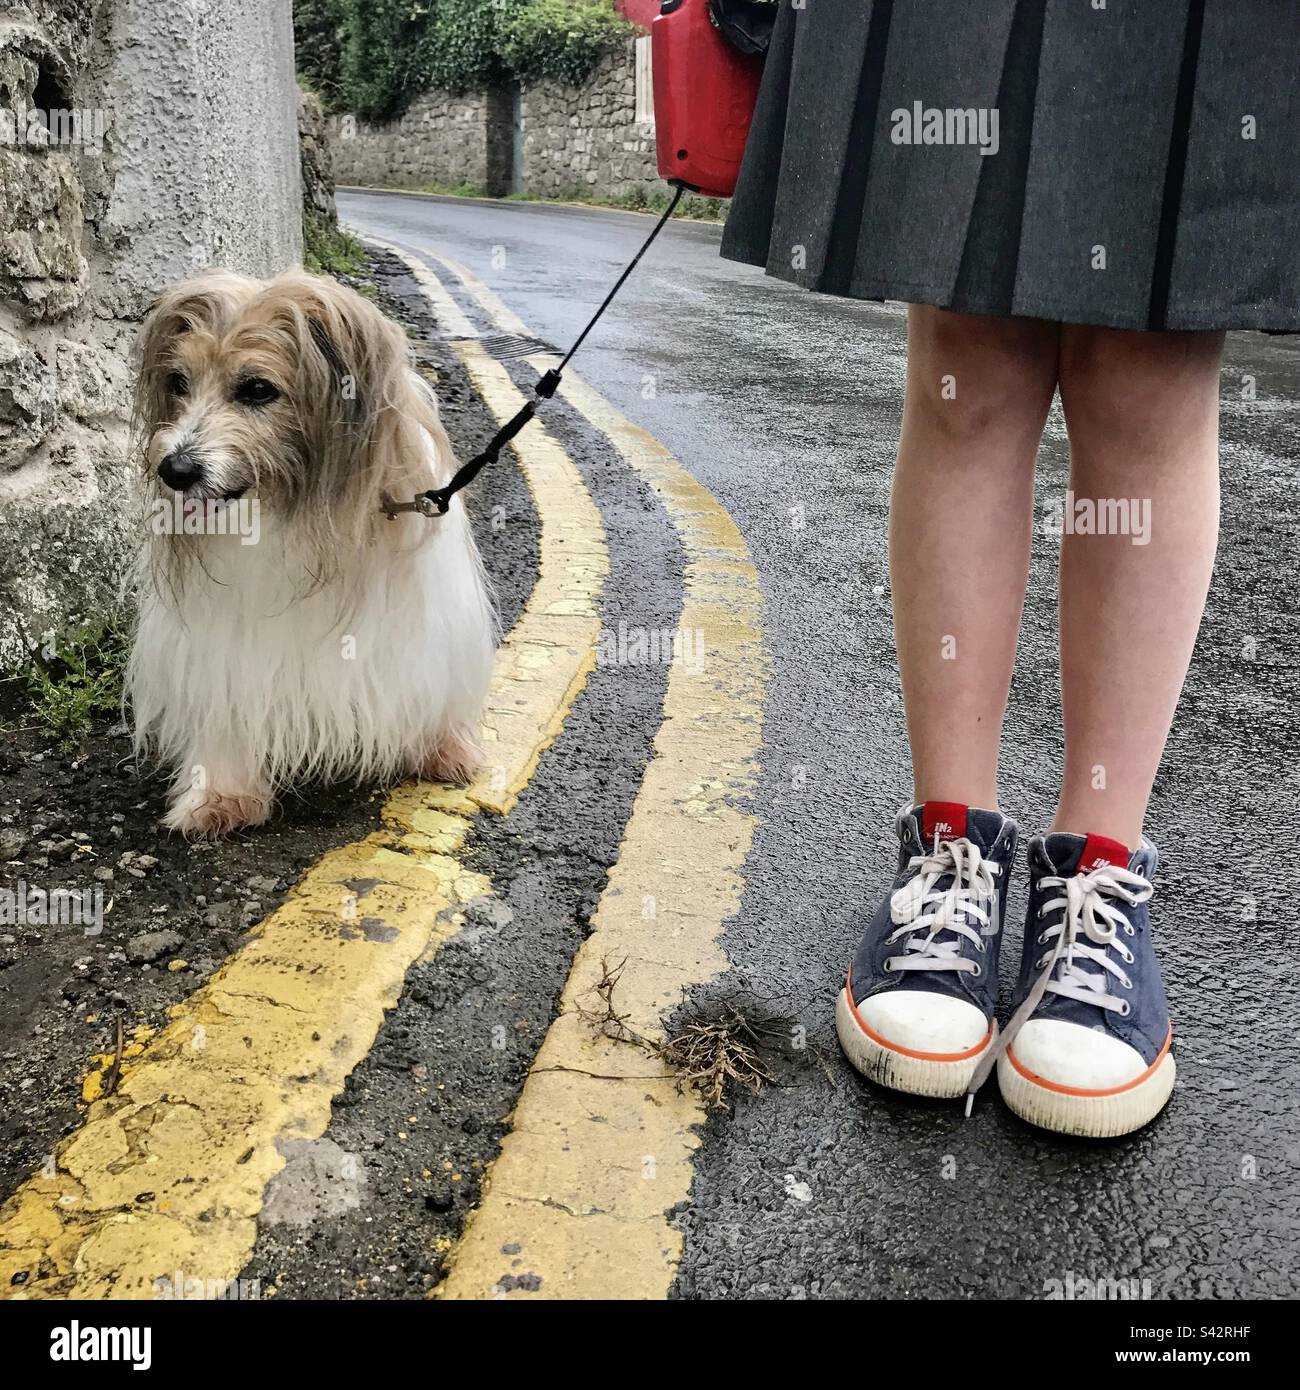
(1131, 383)
(971, 376)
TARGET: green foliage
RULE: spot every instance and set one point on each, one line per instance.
(643, 200)
(691, 206)
(463, 189)
(79, 678)
(318, 32)
(385, 55)
(560, 39)
(373, 57)
(464, 43)
(330, 250)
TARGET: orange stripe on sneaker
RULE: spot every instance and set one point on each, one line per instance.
(908, 1051)
(1081, 1091)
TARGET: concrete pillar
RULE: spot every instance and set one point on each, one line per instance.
(183, 153)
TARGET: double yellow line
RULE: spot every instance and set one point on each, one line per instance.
(169, 1173)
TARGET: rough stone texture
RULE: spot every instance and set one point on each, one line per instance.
(42, 271)
(574, 139)
(586, 139)
(195, 164)
(317, 170)
(440, 139)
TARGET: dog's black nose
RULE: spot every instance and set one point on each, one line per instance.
(181, 468)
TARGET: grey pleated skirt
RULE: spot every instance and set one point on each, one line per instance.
(1135, 166)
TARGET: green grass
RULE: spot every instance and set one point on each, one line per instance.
(639, 200)
(330, 250)
(450, 190)
(78, 678)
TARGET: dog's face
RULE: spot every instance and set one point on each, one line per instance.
(226, 420)
(297, 388)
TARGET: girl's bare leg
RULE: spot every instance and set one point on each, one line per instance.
(1143, 416)
(961, 522)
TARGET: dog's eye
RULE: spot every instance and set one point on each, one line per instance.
(178, 385)
(255, 390)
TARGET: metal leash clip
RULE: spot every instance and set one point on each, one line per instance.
(424, 504)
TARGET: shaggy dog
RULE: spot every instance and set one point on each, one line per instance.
(326, 639)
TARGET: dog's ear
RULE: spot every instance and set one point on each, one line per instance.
(361, 410)
(204, 305)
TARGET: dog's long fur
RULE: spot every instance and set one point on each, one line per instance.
(342, 643)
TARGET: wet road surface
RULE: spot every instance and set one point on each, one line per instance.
(787, 407)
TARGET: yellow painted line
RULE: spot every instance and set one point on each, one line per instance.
(451, 318)
(541, 669)
(602, 1140)
(168, 1173)
(491, 303)
(544, 665)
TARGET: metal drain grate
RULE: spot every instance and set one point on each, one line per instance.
(507, 346)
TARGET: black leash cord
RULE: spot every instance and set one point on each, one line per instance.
(436, 501)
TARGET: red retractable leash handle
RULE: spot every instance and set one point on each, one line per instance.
(705, 90)
(704, 95)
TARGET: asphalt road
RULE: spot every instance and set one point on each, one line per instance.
(422, 1116)
(786, 405)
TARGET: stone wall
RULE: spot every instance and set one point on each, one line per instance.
(587, 139)
(187, 157)
(440, 139)
(317, 170)
(572, 139)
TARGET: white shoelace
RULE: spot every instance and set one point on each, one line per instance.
(923, 912)
(1087, 933)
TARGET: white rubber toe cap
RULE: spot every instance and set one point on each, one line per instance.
(922, 1021)
(1068, 1054)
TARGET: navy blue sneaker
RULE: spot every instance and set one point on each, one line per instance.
(916, 1013)
(1087, 1048)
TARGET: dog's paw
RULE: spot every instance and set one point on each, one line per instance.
(208, 815)
(455, 758)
